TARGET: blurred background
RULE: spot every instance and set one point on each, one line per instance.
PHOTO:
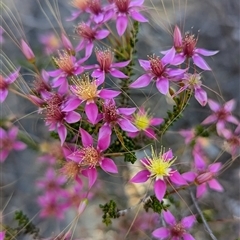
(216, 22)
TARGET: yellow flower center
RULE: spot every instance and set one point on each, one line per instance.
(85, 89)
(158, 165)
(90, 156)
(141, 121)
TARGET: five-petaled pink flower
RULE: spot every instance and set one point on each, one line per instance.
(125, 8)
(8, 142)
(5, 82)
(106, 65)
(113, 116)
(221, 114)
(193, 82)
(185, 48)
(175, 230)
(144, 123)
(90, 157)
(89, 35)
(157, 70)
(158, 167)
(86, 90)
(203, 175)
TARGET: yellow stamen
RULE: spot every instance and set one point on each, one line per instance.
(85, 89)
(141, 121)
(158, 166)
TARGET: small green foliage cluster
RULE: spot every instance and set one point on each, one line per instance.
(154, 204)
(109, 212)
(24, 226)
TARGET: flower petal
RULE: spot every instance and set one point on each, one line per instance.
(205, 52)
(87, 139)
(141, 176)
(188, 222)
(162, 85)
(160, 189)
(177, 178)
(121, 24)
(142, 81)
(72, 117)
(116, 73)
(201, 189)
(108, 165)
(169, 218)
(62, 132)
(200, 62)
(161, 233)
(91, 110)
(188, 236)
(214, 184)
(201, 96)
(104, 138)
(108, 94)
(126, 125)
(138, 16)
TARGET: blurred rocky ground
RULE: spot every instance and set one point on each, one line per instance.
(218, 22)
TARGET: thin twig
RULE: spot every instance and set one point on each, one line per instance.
(202, 217)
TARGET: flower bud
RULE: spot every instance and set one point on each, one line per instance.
(27, 51)
(68, 45)
(204, 177)
(177, 36)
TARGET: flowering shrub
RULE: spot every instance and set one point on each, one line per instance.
(83, 90)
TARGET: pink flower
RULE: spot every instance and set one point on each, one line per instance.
(51, 182)
(175, 230)
(106, 65)
(125, 8)
(203, 175)
(5, 82)
(81, 5)
(221, 114)
(90, 157)
(52, 205)
(50, 41)
(89, 35)
(193, 82)
(8, 142)
(232, 143)
(185, 48)
(67, 66)
(158, 167)
(86, 90)
(113, 116)
(57, 112)
(144, 123)
(157, 70)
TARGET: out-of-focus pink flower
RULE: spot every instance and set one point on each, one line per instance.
(203, 175)
(175, 230)
(194, 83)
(185, 48)
(90, 157)
(5, 82)
(232, 141)
(52, 205)
(86, 90)
(8, 142)
(41, 83)
(113, 116)
(158, 167)
(144, 123)
(221, 114)
(125, 8)
(157, 70)
(50, 41)
(106, 65)
(89, 35)
(27, 51)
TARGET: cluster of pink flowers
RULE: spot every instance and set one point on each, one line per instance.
(87, 117)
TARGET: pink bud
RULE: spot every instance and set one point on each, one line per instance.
(27, 51)
(177, 38)
(82, 206)
(67, 44)
(204, 177)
